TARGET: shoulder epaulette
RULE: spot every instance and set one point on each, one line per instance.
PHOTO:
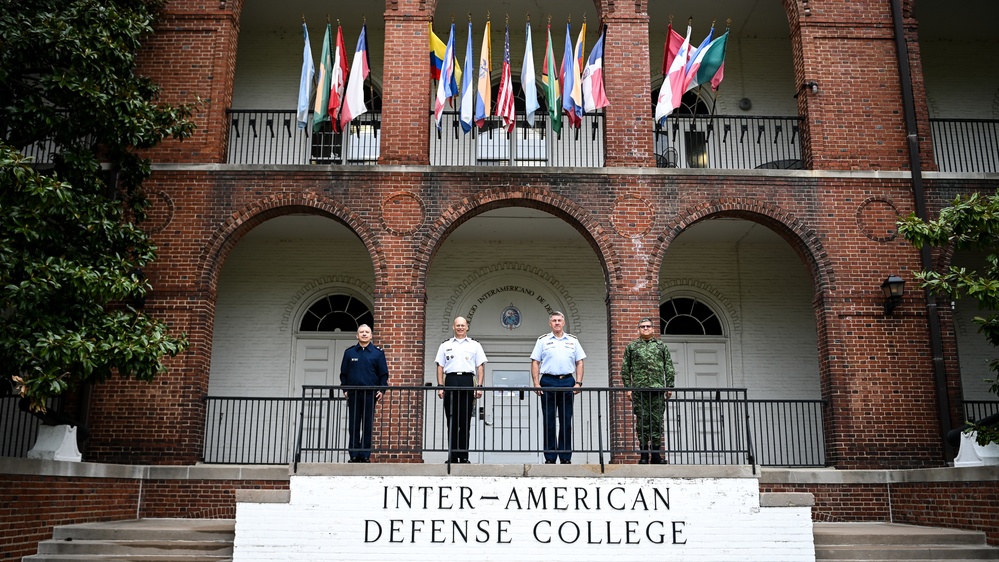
(544, 336)
(572, 336)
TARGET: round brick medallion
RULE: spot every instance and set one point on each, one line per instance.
(632, 216)
(159, 213)
(877, 219)
(402, 213)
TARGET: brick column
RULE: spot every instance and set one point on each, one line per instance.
(406, 89)
(626, 77)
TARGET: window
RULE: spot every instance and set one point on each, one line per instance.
(686, 316)
(336, 313)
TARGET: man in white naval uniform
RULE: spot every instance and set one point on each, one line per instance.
(460, 363)
(557, 363)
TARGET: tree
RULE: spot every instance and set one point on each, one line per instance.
(71, 249)
(971, 222)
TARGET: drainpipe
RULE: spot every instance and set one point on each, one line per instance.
(915, 165)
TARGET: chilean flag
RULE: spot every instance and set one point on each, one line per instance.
(353, 103)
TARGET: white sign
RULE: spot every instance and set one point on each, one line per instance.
(530, 518)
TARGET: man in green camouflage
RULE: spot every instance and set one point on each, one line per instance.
(648, 369)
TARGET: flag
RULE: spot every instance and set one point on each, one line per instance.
(305, 84)
(550, 81)
(594, 96)
(338, 80)
(572, 95)
(446, 86)
(437, 50)
(708, 63)
(581, 46)
(467, 95)
(672, 89)
(672, 45)
(716, 80)
(694, 60)
(504, 99)
(527, 82)
(484, 94)
(353, 103)
(323, 84)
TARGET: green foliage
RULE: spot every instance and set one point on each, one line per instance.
(71, 250)
(970, 222)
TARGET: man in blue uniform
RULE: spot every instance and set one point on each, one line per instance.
(460, 363)
(557, 363)
(363, 365)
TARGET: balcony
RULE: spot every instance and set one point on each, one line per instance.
(966, 145)
(702, 426)
(272, 137)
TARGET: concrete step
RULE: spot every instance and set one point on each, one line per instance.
(147, 540)
(854, 542)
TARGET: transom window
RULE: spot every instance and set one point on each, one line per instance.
(336, 313)
(685, 316)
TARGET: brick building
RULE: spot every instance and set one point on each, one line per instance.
(758, 221)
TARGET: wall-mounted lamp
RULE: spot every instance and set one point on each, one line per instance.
(893, 289)
(811, 86)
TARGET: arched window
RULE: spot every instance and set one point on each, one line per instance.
(686, 316)
(336, 313)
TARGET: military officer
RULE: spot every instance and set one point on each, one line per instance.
(557, 363)
(648, 369)
(363, 366)
(460, 363)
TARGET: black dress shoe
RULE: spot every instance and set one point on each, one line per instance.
(566, 462)
(354, 459)
(549, 462)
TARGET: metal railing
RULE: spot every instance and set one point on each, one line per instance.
(980, 409)
(728, 142)
(262, 136)
(702, 426)
(581, 147)
(966, 145)
(18, 428)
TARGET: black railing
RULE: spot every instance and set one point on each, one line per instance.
(980, 409)
(536, 145)
(729, 142)
(260, 136)
(716, 426)
(966, 145)
(18, 428)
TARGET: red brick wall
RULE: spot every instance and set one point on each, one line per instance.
(959, 505)
(31, 506)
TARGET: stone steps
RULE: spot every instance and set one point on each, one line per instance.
(868, 542)
(146, 540)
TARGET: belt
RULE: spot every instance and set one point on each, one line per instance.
(459, 373)
(556, 376)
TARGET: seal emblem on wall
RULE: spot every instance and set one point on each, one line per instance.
(510, 317)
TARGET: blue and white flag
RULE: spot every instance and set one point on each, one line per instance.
(305, 84)
(527, 80)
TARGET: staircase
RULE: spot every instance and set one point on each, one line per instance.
(211, 540)
(145, 540)
(856, 542)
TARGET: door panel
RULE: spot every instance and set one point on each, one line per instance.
(695, 426)
(508, 420)
(317, 363)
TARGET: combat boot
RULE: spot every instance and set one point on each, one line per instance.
(656, 457)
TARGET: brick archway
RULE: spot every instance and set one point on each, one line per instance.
(225, 238)
(535, 198)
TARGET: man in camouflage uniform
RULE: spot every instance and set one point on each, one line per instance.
(647, 365)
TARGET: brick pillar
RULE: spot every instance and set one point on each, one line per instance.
(192, 56)
(626, 77)
(400, 311)
(632, 295)
(858, 39)
(406, 89)
(159, 422)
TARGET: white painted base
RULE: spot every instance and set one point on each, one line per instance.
(988, 453)
(57, 443)
(522, 518)
(966, 454)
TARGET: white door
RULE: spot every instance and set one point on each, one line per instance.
(507, 418)
(696, 426)
(317, 363)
